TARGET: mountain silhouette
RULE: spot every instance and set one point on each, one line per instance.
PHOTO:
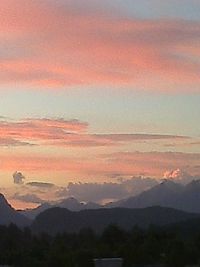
(166, 194)
(9, 215)
(57, 220)
(68, 203)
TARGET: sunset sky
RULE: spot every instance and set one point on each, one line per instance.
(96, 92)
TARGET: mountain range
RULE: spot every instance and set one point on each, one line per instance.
(166, 194)
(58, 220)
(69, 203)
(167, 202)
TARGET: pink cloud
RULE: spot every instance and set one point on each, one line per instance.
(70, 45)
(174, 174)
(41, 129)
(8, 141)
(152, 164)
(63, 133)
(156, 163)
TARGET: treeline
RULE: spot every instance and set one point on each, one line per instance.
(155, 245)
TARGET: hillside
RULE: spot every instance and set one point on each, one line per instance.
(62, 220)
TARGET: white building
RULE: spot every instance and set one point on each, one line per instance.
(108, 262)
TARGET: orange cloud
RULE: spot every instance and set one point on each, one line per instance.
(54, 45)
(152, 164)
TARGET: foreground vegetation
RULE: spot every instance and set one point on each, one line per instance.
(152, 246)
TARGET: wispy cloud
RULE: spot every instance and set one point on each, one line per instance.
(8, 141)
(66, 133)
(53, 44)
(44, 185)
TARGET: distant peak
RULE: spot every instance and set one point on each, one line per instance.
(3, 200)
(193, 183)
(70, 199)
(2, 197)
(167, 181)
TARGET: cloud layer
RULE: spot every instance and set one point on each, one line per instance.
(40, 192)
(108, 191)
(49, 44)
(104, 167)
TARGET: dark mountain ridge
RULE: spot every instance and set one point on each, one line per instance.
(58, 220)
(68, 203)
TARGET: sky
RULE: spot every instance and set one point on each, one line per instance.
(94, 94)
